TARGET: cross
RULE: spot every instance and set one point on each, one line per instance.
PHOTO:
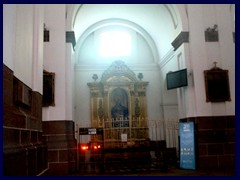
(215, 64)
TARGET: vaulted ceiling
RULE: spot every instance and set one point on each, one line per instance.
(161, 22)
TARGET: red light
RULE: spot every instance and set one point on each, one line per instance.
(99, 146)
(84, 147)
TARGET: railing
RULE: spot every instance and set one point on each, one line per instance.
(165, 130)
(157, 129)
(118, 123)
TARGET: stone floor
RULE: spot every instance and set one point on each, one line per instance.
(172, 171)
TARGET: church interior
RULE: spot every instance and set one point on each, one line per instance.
(90, 87)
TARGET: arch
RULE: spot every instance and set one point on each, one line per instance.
(123, 23)
(176, 11)
(173, 14)
(70, 14)
(180, 10)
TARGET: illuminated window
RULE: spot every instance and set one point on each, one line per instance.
(115, 43)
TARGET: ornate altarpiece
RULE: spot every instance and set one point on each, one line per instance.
(118, 105)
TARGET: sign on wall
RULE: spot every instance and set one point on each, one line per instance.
(92, 131)
(187, 145)
(124, 137)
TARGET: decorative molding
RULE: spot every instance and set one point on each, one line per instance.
(102, 67)
(168, 57)
(180, 39)
(118, 68)
(211, 34)
(70, 38)
(173, 14)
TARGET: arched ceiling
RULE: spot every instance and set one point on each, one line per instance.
(160, 21)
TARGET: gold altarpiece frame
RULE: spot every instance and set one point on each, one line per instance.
(118, 105)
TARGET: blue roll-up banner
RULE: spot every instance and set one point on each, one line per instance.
(187, 145)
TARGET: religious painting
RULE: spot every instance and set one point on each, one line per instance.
(119, 108)
(217, 85)
(48, 89)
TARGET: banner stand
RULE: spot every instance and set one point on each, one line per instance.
(187, 145)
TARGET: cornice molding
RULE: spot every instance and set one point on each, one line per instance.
(103, 67)
(180, 39)
(168, 57)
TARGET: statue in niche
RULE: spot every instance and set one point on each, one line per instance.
(120, 110)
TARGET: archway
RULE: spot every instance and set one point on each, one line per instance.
(174, 20)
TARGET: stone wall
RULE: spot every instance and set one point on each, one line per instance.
(62, 147)
(215, 141)
(24, 150)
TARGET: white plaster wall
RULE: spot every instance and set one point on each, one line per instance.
(227, 50)
(141, 52)
(169, 96)
(24, 43)
(197, 56)
(232, 11)
(69, 81)
(82, 98)
(55, 59)
(170, 107)
(153, 93)
(203, 54)
(187, 104)
(37, 76)
(9, 34)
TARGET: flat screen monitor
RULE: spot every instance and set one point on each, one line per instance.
(177, 79)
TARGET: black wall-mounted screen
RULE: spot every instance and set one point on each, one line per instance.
(177, 79)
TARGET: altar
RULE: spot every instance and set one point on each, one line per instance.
(118, 105)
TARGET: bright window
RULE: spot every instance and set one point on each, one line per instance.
(115, 43)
